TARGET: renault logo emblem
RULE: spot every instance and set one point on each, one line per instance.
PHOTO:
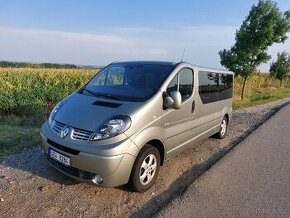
(64, 132)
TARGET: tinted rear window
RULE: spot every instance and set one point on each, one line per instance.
(215, 86)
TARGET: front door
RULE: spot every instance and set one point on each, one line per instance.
(178, 124)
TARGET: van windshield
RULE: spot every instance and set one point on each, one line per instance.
(129, 81)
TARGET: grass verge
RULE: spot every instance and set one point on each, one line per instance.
(262, 96)
(17, 134)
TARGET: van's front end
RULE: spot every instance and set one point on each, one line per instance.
(88, 134)
(88, 142)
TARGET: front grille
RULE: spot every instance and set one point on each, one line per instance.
(83, 135)
(70, 170)
(57, 126)
(76, 134)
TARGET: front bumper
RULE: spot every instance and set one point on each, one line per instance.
(115, 169)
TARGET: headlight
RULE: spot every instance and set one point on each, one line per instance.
(53, 112)
(113, 127)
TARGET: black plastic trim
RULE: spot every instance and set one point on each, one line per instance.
(70, 170)
(107, 104)
(62, 148)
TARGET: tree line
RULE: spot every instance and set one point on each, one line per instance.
(264, 26)
(6, 64)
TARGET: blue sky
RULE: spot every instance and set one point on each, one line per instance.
(99, 32)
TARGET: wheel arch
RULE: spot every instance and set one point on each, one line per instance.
(160, 147)
(228, 118)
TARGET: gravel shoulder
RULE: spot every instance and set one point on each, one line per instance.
(29, 187)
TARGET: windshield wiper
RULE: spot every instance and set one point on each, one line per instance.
(94, 94)
(102, 95)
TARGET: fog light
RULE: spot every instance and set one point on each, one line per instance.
(97, 180)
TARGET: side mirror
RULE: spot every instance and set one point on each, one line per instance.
(172, 101)
(176, 96)
(168, 102)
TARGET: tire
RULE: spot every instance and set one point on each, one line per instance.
(145, 169)
(223, 128)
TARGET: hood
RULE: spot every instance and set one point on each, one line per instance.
(89, 112)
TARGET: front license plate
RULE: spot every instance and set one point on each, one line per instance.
(59, 157)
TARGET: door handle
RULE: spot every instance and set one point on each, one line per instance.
(192, 106)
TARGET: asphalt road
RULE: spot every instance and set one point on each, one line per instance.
(253, 180)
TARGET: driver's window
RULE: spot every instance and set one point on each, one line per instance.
(182, 82)
(173, 85)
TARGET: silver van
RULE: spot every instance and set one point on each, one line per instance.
(132, 116)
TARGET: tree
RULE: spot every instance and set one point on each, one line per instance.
(281, 68)
(264, 26)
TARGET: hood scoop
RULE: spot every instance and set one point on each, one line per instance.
(107, 104)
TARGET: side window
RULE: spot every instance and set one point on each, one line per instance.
(185, 83)
(208, 86)
(182, 82)
(173, 85)
(226, 86)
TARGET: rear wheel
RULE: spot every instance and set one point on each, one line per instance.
(223, 128)
(145, 169)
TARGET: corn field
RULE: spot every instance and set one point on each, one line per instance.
(257, 82)
(33, 92)
(28, 92)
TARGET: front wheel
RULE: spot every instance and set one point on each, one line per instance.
(223, 128)
(145, 169)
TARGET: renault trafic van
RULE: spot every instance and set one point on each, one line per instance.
(131, 116)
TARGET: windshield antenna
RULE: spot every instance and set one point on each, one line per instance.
(182, 55)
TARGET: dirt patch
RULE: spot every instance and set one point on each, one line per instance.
(29, 187)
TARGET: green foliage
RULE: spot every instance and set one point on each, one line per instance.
(281, 68)
(7, 64)
(264, 26)
(33, 92)
(262, 96)
(16, 136)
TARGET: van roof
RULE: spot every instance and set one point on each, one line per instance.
(169, 63)
(148, 62)
(216, 70)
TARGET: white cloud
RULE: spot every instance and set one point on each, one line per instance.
(68, 47)
(202, 44)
